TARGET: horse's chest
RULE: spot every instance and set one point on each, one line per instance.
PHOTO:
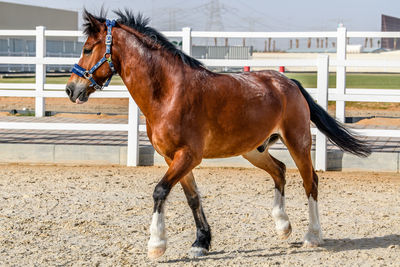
(160, 146)
(165, 140)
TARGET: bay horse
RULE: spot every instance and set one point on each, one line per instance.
(193, 113)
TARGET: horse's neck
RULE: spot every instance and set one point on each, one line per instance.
(145, 76)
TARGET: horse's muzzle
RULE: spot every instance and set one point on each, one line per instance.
(76, 93)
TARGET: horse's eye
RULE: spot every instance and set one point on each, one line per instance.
(87, 51)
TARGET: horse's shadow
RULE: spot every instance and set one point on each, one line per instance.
(364, 243)
(333, 245)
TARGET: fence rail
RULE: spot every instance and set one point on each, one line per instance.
(40, 90)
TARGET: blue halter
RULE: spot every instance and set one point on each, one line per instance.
(88, 74)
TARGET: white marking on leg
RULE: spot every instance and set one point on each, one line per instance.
(313, 237)
(158, 239)
(282, 223)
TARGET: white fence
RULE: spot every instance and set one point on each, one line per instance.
(40, 90)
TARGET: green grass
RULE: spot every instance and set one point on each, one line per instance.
(370, 81)
(353, 80)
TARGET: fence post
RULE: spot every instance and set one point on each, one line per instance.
(322, 99)
(187, 40)
(40, 71)
(341, 72)
(133, 134)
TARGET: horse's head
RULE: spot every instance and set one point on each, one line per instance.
(95, 67)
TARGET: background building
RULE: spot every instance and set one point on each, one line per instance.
(390, 24)
(26, 17)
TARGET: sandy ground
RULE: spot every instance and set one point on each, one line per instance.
(120, 106)
(380, 121)
(94, 105)
(90, 116)
(99, 216)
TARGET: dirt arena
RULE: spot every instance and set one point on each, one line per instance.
(99, 216)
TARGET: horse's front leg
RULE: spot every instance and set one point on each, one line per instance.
(183, 162)
(201, 246)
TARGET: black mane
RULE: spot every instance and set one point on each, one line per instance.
(140, 24)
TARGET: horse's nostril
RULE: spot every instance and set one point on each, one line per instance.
(68, 91)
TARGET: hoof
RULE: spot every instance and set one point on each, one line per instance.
(284, 234)
(197, 252)
(154, 253)
(313, 240)
(311, 244)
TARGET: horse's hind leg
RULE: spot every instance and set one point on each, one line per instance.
(298, 141)
(201, 246)
(276, 169)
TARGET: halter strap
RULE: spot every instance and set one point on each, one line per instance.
(88, 74)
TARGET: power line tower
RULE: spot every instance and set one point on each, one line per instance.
(172, 18)
(214, 21)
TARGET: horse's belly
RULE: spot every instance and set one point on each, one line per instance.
(234, 144)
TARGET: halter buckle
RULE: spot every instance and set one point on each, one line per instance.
(108, 39)
(87, 75)
(97, 87)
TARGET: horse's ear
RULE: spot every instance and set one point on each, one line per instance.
(92, 24)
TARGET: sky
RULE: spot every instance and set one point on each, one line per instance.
(245, 15)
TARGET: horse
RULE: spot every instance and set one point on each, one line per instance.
(193, 113)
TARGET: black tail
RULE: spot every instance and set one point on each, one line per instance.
(334, 130)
